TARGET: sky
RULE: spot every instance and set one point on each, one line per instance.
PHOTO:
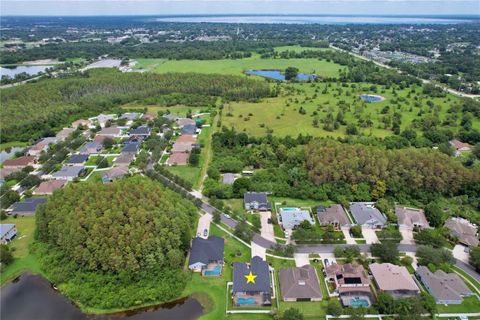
(171, 7)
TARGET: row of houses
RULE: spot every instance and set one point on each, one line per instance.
(185, 143)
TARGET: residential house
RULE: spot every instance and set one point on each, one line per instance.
(251, 283)
(26, 207)
(149, 117)
(394, 280)
(124, 159)
(334, 215)
(81, 123)
(351, 283)
(181, 122)
(130, 116)
(409, 218)
(131, 147)
(446, 288)
(186, 138)
(99, 139)
(68, 173)
(7, 171)
(178, 158)
(111, 132)
(40, 146)
(78, 159)
(114, 174)
(47, 187)
(8, 231)
(182, 147)
(91, 147)
(460, 147)
(64, 133)
(140, 133)
(366, 215)
(189, 129)
(299, 284)
(256, 201)
(206, 256)
(228, 178)
(20, 162)
(465, 231)
(102, 119)
(171, 117)
(290, 218)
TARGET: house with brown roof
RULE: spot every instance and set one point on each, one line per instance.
(351, 283)
(178, 158)
(446, 288)
(409, 218)
(188, 138)
(185, 121)
(465, 231)
(182, 147)
(394, 280)
(81, 122)
(124, 159)
(115, 173)
(149, 117)
(299, 284)
(47, 187)
(40, 146)
(20, 162)
(111, 132)
(64, 133)
(334, 215)
(459, 146)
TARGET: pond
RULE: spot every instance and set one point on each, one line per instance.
(8, 153)
(371, 97)
(32, 297)
(14, 70)
(278, 75)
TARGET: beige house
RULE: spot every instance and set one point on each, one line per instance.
(465, 231)
(409, 218)
(299, 284)
(394, 280)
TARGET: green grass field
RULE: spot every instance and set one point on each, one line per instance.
(8, 145)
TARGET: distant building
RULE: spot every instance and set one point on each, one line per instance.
(20, 162)
(40, 146)
(68, 173)
(124, 159)
(247, 293)
(91, 147)
(130, 116)
(299, 284)
(409, 218)
(460, 147)
(112, 132)
(26, 207)
(463, 230)
(446, 288)
(394, 280)
(178, 158)
(149, 117)
(351, 283)
(114, 174)
(228, 178)
(47, 187)
(256, 201)
(140, 133)
(186, 138)
(290, 218)
(334, 215)
(82, 123)
(206, 255)
(189, 129)
(7, 232)
(181, 122)
(104, 118)
(64, 133)
(131, 147)
(182, 147)
(366, 215)
(78, 159)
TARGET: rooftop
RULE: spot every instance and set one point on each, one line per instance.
(69, 171)
(28, 205)
(333, 215)
(228, 178)
(411, 216)
(5, 228)
(299, 283)
(22, 161)
(443, 286)
(292, 217)
(47, 187)
(259, 268)
(464, 230)
(366, 213)
(206, 250)
(390, 277)
(180, 158)
(109, 131)
(78, 158)
(140, 131)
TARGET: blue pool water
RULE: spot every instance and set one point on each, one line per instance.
(277, 75)
(370, 98)
(289, 209)
(359, 303)
(215, 272)
(246, 301)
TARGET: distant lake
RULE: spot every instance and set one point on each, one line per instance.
(277, 75)
(14, 70)
(310, 19)
(32, 297)
(8, 153)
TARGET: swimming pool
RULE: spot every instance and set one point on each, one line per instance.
(214, 272)
(371, 98)
(357, 302)
(246, 301)
(289, 209)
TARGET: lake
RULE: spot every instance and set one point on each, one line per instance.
(32, 297)
(277, 75)
(14, 70)
(8, 153)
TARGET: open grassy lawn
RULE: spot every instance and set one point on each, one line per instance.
(8, 145)
(179, 110)
(469, 304)
(23, 259)
(292, 202)
(282, 115)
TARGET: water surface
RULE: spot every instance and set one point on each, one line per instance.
(277, 75)
(14, 70)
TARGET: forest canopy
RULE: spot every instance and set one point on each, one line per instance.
(124, 241)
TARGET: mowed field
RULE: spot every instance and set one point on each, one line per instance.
(238, 66)
(281, 117)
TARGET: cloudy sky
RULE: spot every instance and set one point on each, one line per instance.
(159, 7)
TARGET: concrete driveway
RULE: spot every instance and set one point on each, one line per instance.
(369, 235)
(348, 237)
(204, 223)
(460, 254)
(407, 235)
(258, 251)
(267, 228)
(301, 259)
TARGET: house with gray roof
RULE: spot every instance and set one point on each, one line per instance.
(26, 207)
(299, 284)
(465, 231)
(366, 215)
(334, 215)
(446, 288)
(77, 159)
(139, 133)
(256, 201)
(111, 132)
(114, 174)
(251, 283)
(409, 218)
(189, 129)
(8, 231)
(91, 147)
(131, 147)
(228, 178)
(130, 116)
(124, 159)
(68, 173)
(290, 218)
(206, 256)
(104, 118)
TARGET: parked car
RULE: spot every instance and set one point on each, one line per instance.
(205, 232)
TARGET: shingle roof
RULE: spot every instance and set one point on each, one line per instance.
(179, 158)
(299, 283)
(186, 138)
(182, 147)
(131, 147)
(109, 131)
(130, 115)
(347, 273)
(228, 178)
(465, 231)
(78, 158)
(5, 228)
(366, 213)
(206, 250)
(189, 129)
(259, 268)
(140, 131)
(293, 217)
(19, 162)
(411, 217)
(124, 158)
(65, 132)
(115, 173)
(47, 187)
(185, 121)
(390, 277)
(333, 215)
(260, 197)
(69, 172)
(443, 286)
(28, 205)
(458, 145)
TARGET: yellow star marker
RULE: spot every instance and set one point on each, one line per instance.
(250, 278)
